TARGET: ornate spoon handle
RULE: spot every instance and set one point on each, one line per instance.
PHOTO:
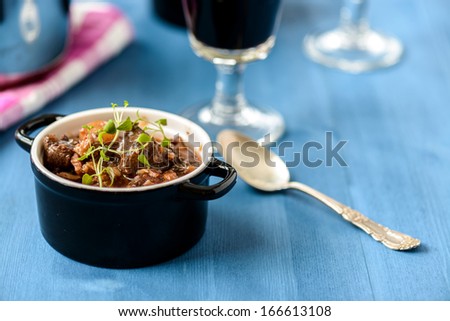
(390, 238)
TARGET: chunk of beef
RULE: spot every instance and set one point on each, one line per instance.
(58, 153)
(129, 163)
(158, 156)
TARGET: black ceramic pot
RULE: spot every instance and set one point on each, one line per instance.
(123, 227)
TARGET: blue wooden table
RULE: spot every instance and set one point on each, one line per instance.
(282, 246)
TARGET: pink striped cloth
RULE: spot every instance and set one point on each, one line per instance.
(98, 32)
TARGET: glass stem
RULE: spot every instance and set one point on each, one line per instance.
(229, 97)
(354, 16)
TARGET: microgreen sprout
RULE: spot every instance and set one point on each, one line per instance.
(87, 179)
(143, 160)
(110, 127)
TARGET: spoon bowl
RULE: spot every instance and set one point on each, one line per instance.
(258, 166)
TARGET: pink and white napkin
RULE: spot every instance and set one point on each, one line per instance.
(98, 32)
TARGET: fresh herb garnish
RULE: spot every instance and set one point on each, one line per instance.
(110, 127)
(143, 160)
(126, 125)
(101, 149)
(87, 179)
(143, 138)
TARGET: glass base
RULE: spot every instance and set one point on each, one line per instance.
(353, 51)
(252, 121)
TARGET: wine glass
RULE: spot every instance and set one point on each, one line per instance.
(353, 46)
(231, 34)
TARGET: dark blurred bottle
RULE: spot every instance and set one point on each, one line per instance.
(170, 11)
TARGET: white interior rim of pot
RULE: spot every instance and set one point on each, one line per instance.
(71, 123)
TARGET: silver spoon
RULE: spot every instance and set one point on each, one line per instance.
(264, 170)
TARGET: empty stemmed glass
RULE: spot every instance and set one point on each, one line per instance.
(353, 46)
(230, 34)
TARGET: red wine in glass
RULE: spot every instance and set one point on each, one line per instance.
(232, 24)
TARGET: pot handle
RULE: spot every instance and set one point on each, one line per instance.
(22, 134)
(216, 168)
